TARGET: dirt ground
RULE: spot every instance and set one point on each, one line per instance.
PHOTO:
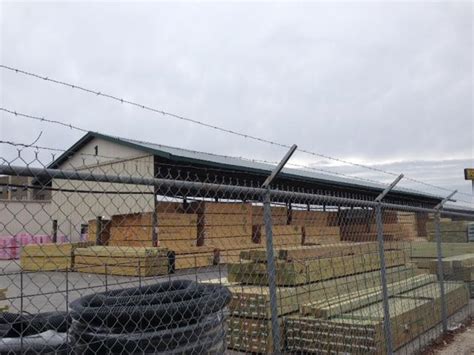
(458, 342)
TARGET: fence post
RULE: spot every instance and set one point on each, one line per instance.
(383, 276)
(439, 262)
(383, 269)
(439, 254)
(267, 219)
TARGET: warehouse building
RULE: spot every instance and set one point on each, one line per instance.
(76, 202)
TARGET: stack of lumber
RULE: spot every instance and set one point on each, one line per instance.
(48, 257)
(122, 261)
(360, 329)
(176, 231)
(423, 253)
(279, 215)
(308, 218)
(3, 297)
(103, 231)
(249, 324)
(321, 235)
(409, 225)
(297, 270)
(451, 231)
(459, 268)
(195, 257)
(289, 235)
(226, 227)
(421, 219)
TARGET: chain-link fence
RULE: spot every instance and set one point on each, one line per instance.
(128, 257)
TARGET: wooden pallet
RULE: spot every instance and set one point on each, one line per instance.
(307, 271)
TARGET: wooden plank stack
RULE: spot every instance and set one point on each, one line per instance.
(360, 330)
(174, 230)
(300, 272)
(104, 231)
(250, 326)
(451, 231)
(279, 215)
(283, 236)
(3, 297)
(309, 218)
(226, 227)
(321, 235)
(459, 268)
(48, 257)
(121, 261)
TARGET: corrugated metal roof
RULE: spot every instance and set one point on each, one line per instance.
(215, 160)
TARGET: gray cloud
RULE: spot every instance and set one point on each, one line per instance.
(371, 81)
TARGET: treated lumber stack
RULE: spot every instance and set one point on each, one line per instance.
(330, 307)
(220, 221)
(321, 235)
(289, 235)
(451, 231)
(459, 268)
(48, 257)
(122, 261)
(308, 218)
(3, 297)
(409, 225)
(195, 257)
(136, 229)
(104, 231)
(279, 215)
(249, 323)
(360, 331)
(311, 270)
(428, 249)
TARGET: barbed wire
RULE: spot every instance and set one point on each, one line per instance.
(215, 127)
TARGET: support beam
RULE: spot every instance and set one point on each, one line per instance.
(389, 188)
(280, 166)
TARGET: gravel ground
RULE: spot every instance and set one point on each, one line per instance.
(463, 344)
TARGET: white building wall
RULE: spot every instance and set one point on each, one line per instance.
(22, 216)
(77, 202)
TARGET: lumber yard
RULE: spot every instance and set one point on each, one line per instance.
(135, 258)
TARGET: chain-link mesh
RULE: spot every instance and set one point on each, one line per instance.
(133, 257)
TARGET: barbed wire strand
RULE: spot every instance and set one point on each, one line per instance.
(215, 127)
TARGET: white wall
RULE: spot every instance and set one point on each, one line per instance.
(72, 209)
(33, 217)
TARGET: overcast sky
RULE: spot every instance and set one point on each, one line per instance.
(389, 84)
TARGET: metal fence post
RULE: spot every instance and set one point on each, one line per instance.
(383, 269)
(383, 277)
(267, 218)
(440, 269)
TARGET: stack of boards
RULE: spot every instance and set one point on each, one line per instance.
(459, 268)
(304, 274)
(226, 227)
(451, 231)
(48, 257)
(3, 297)
(358, 327)
(423, 253)
(122, 261)
(175, 230)
(283, 236)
